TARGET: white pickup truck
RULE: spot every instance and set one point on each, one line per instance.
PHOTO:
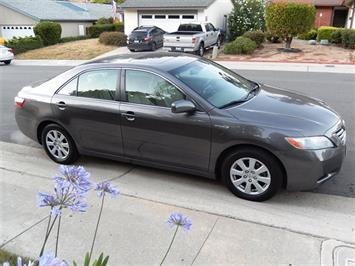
(193, 37)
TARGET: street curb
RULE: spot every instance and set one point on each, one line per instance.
(236, 65)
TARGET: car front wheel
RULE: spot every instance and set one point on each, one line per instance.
(252, 174)
(7, 62)
(58, 144)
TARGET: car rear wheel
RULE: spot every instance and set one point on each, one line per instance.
(201, 50)
(252, 174)
(58, 144)
(7, 62)
(132, 50)
(154, 46)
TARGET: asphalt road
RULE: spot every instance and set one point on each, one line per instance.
(338, 90)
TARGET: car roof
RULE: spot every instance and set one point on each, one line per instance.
(163, 61)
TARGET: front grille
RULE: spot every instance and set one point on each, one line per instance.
(340, 134)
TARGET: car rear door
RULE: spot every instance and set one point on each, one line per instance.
(151, 132)
(88, 107)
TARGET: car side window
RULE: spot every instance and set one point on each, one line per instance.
(207, 26)
(69, 88)
(147, 88)
(98, 84)
(212, 28)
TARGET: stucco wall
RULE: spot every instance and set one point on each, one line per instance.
(72, 28)
(130, 20)
(216, 11)
(10, 17)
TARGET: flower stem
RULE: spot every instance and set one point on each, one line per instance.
(57, 242)
(97, 226)
(171, 243)
(49, 222)
(47, 235)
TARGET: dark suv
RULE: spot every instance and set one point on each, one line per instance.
(145, 38)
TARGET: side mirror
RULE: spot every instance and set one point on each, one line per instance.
(182, 106)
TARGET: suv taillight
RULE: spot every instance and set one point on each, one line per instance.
(19, 102)
(147, 39)
(10, 50)
(193, 39)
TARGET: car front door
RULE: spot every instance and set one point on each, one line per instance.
(87, 107)
(151, 132)
(213, 34)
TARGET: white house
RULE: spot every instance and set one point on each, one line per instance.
(169, 14)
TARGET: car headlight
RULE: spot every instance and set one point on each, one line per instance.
(311, 143)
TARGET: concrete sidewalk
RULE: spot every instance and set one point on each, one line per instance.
(292, 228)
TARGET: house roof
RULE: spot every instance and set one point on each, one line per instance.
(58, 10)
(166, 3)
(315, 2)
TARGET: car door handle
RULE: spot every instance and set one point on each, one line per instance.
(61, 105)
(129, 116)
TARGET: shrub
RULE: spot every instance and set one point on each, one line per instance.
(241, 45)
(247, 15)
(21, 45)
(119, 26)
(95, 30)
(336, 36)
(257, 36)
(113, 38)
(287, 20)
(311, 35)
(272, 38)
(49, 32)
(325, 33)
(348, 38)
(105, 20)
(73, 38)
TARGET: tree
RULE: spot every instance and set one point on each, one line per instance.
(247, 15)
(287, 20)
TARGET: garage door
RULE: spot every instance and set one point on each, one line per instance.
(167, 21)
(8, 32)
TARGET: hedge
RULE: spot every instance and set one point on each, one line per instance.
(257, 36)
(241, 45)
(73, 38)
(119, 26)
(311, 35)
(95, 30)
(21, 45)
(113, 38)
(272, 38)
(348, 38)
(49, 32)
(325, 33)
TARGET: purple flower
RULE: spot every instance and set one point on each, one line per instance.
(179, 219)
(19, 263)
(48, 259)
(75, 176)
(106, 187)
(63, 197)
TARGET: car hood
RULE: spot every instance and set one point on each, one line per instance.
(287, 110)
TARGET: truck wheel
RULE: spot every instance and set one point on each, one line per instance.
(201, 50)
(7, 62)
(219, 42)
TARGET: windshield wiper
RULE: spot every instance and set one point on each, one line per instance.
(252, 91)
(233, 103)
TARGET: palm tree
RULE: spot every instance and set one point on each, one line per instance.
(351, 4)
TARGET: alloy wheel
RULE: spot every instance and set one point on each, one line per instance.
(250, 176)
(57, 144)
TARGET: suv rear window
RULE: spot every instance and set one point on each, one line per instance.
(139, 33)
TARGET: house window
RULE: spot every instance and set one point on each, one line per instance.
(174, 16)
(147, 16)
(160, 16)
(188, 16)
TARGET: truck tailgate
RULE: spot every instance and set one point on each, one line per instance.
(179, 40)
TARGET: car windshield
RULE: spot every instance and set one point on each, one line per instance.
(216, 84)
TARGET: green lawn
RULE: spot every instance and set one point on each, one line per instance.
(10, 257)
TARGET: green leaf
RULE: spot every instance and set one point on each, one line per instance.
(100, 258)
(75, 264)
(104, 263)
(87, 259)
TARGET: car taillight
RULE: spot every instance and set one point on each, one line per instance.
(19, 102)
(147, 39)
(193, 39)
(10, 50)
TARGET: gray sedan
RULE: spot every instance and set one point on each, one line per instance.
(188, 114)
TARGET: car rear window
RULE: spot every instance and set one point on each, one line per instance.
(139, 33)
(190, 27)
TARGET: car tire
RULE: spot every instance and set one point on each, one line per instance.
(132, 50)
(258, 179)
(7, 62)
(201, 50)
(58, 144)
(218, 43)
(154, 46)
